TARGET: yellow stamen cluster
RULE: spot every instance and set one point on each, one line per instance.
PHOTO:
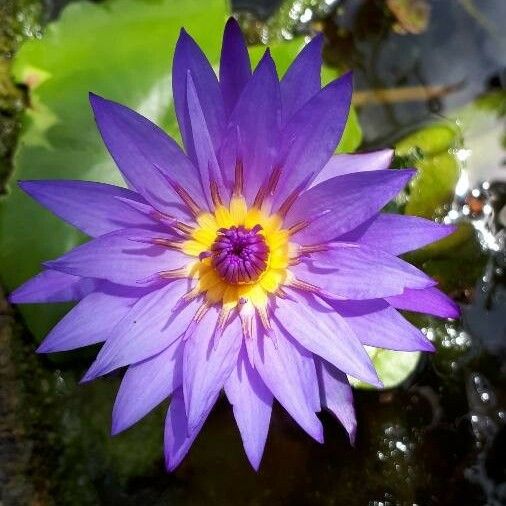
(215, 288)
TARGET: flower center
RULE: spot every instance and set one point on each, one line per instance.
(239, 254)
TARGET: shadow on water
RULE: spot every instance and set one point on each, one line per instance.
(438, 439)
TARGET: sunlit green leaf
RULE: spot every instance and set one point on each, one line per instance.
(432, 151)
(434, 185)
(393, 367)
(121, 49)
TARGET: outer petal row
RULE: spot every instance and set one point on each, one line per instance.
(188, 57)
(340, 204)
(377, 324)
(288, 370)
(252, 134)
(94, 208)
(311, 136)
(339, 165)
(126, 257)
(302, 79)
(145, 385)
(396, 233)
(208, 360)
(430, 300)
(52, 286)
(235, 66)
(146, 156)
(355, 271)
(252, 405)
(150, 326)
(335, 341)
(78, 328)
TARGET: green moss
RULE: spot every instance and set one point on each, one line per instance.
(19, 20)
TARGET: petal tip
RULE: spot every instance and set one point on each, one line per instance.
(376, 382)
(347, 76)
(90, 374)
(184, 38)
(96, 100)
(429, 347)
(454, 311)
(254, 460)
(171, 466)
(30, 185)
(409, 173)
(117, 427)
(232, 24)
(23, 183)
(449, 230)
(43, 348)
(172, 461)
(14, 297)
(318, 38)
(319, 435)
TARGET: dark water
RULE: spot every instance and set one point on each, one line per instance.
(437, 439)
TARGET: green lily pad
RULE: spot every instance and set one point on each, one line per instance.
(393, 367)
(472, 139)
(121, 49)
(432, 151)
(434, 185)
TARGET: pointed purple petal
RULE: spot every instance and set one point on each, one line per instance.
(302, 79)
(397, 234)
(91, 207)
(355, 271)
(124, 257)
(148, 328)
(189, 57)
(429, 300)
(207, 363)
(342, 203)
(146, 156)
(339, 165)
(90, 322)
(235, 66)
(178, 438)
(204, 149)
(312, 135)
(253, 130)
(289, 372)
(337, 397)
(145, 385)
(252, 404)
(52, 286)
(377, 324)
(322, 331)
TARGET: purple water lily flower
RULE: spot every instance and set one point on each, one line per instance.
(254, 261)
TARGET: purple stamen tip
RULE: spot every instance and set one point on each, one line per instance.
(239, 254)
(205, 254)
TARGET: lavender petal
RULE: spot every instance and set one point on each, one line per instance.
(145, 385)
(252, 405)
(91, 207)
(235, 66)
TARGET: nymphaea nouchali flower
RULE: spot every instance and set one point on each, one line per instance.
(255, 261)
